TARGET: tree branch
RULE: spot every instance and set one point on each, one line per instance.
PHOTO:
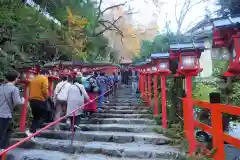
(99, 9)
(111, 25)
(187, 6)
(115, 6)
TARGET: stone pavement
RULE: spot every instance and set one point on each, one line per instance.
(123, 131)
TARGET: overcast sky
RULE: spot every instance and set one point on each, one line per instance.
(146, 11)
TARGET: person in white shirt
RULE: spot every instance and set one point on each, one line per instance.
(77, 95)
(60, 97)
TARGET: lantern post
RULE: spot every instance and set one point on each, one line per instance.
(25, 77)
(188, 66)
(140, 70)
(145, 85)
(149, 82)
(161, 67)
(141, 83)
(149, 85)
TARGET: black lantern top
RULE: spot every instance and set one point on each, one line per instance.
(227, 22)
(185, 47)
(160, 56)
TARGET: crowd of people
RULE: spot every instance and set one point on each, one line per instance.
(69, 94)
(89, 90)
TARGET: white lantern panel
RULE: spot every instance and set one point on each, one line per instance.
(154, 68)
(163, 66)
(75, 69)
(149, 69)
(188, 61)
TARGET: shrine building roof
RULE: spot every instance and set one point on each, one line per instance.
(187, 46)
(226, 22)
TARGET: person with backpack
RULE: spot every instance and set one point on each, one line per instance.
(115, 80)
(92, 93)
(102, 83)
(9, 98)
(77, 95)
(60, 97)
(109, 87)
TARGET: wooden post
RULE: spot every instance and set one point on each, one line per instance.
(188, 109)
(24, 109)
(146, 88)
(156, 94)
(149, 89)
(164, 101)
(217, 131)
(140, 84)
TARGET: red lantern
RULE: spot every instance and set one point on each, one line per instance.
(188, 56)
(161, 63)
(188, 66)
(27, 74)
(160, 67)
(226, 33)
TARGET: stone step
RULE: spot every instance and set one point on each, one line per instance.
(111, 115)
(116, 137)
(126, 107)
(115, 111)
(37, 154)
(117, 121)
(114, 121)
(127, 150)
(124, 104)
(125, 101)
(117, 128)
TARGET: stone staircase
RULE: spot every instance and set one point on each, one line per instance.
(122, 132)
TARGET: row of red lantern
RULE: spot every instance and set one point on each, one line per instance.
(56, 72)
(159, 64)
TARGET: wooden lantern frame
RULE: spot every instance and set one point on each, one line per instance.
(159, 58)
(27, 71)
(226, 33)
(178, 51)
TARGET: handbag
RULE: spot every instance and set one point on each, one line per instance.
(50, 108)
(60, 91)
